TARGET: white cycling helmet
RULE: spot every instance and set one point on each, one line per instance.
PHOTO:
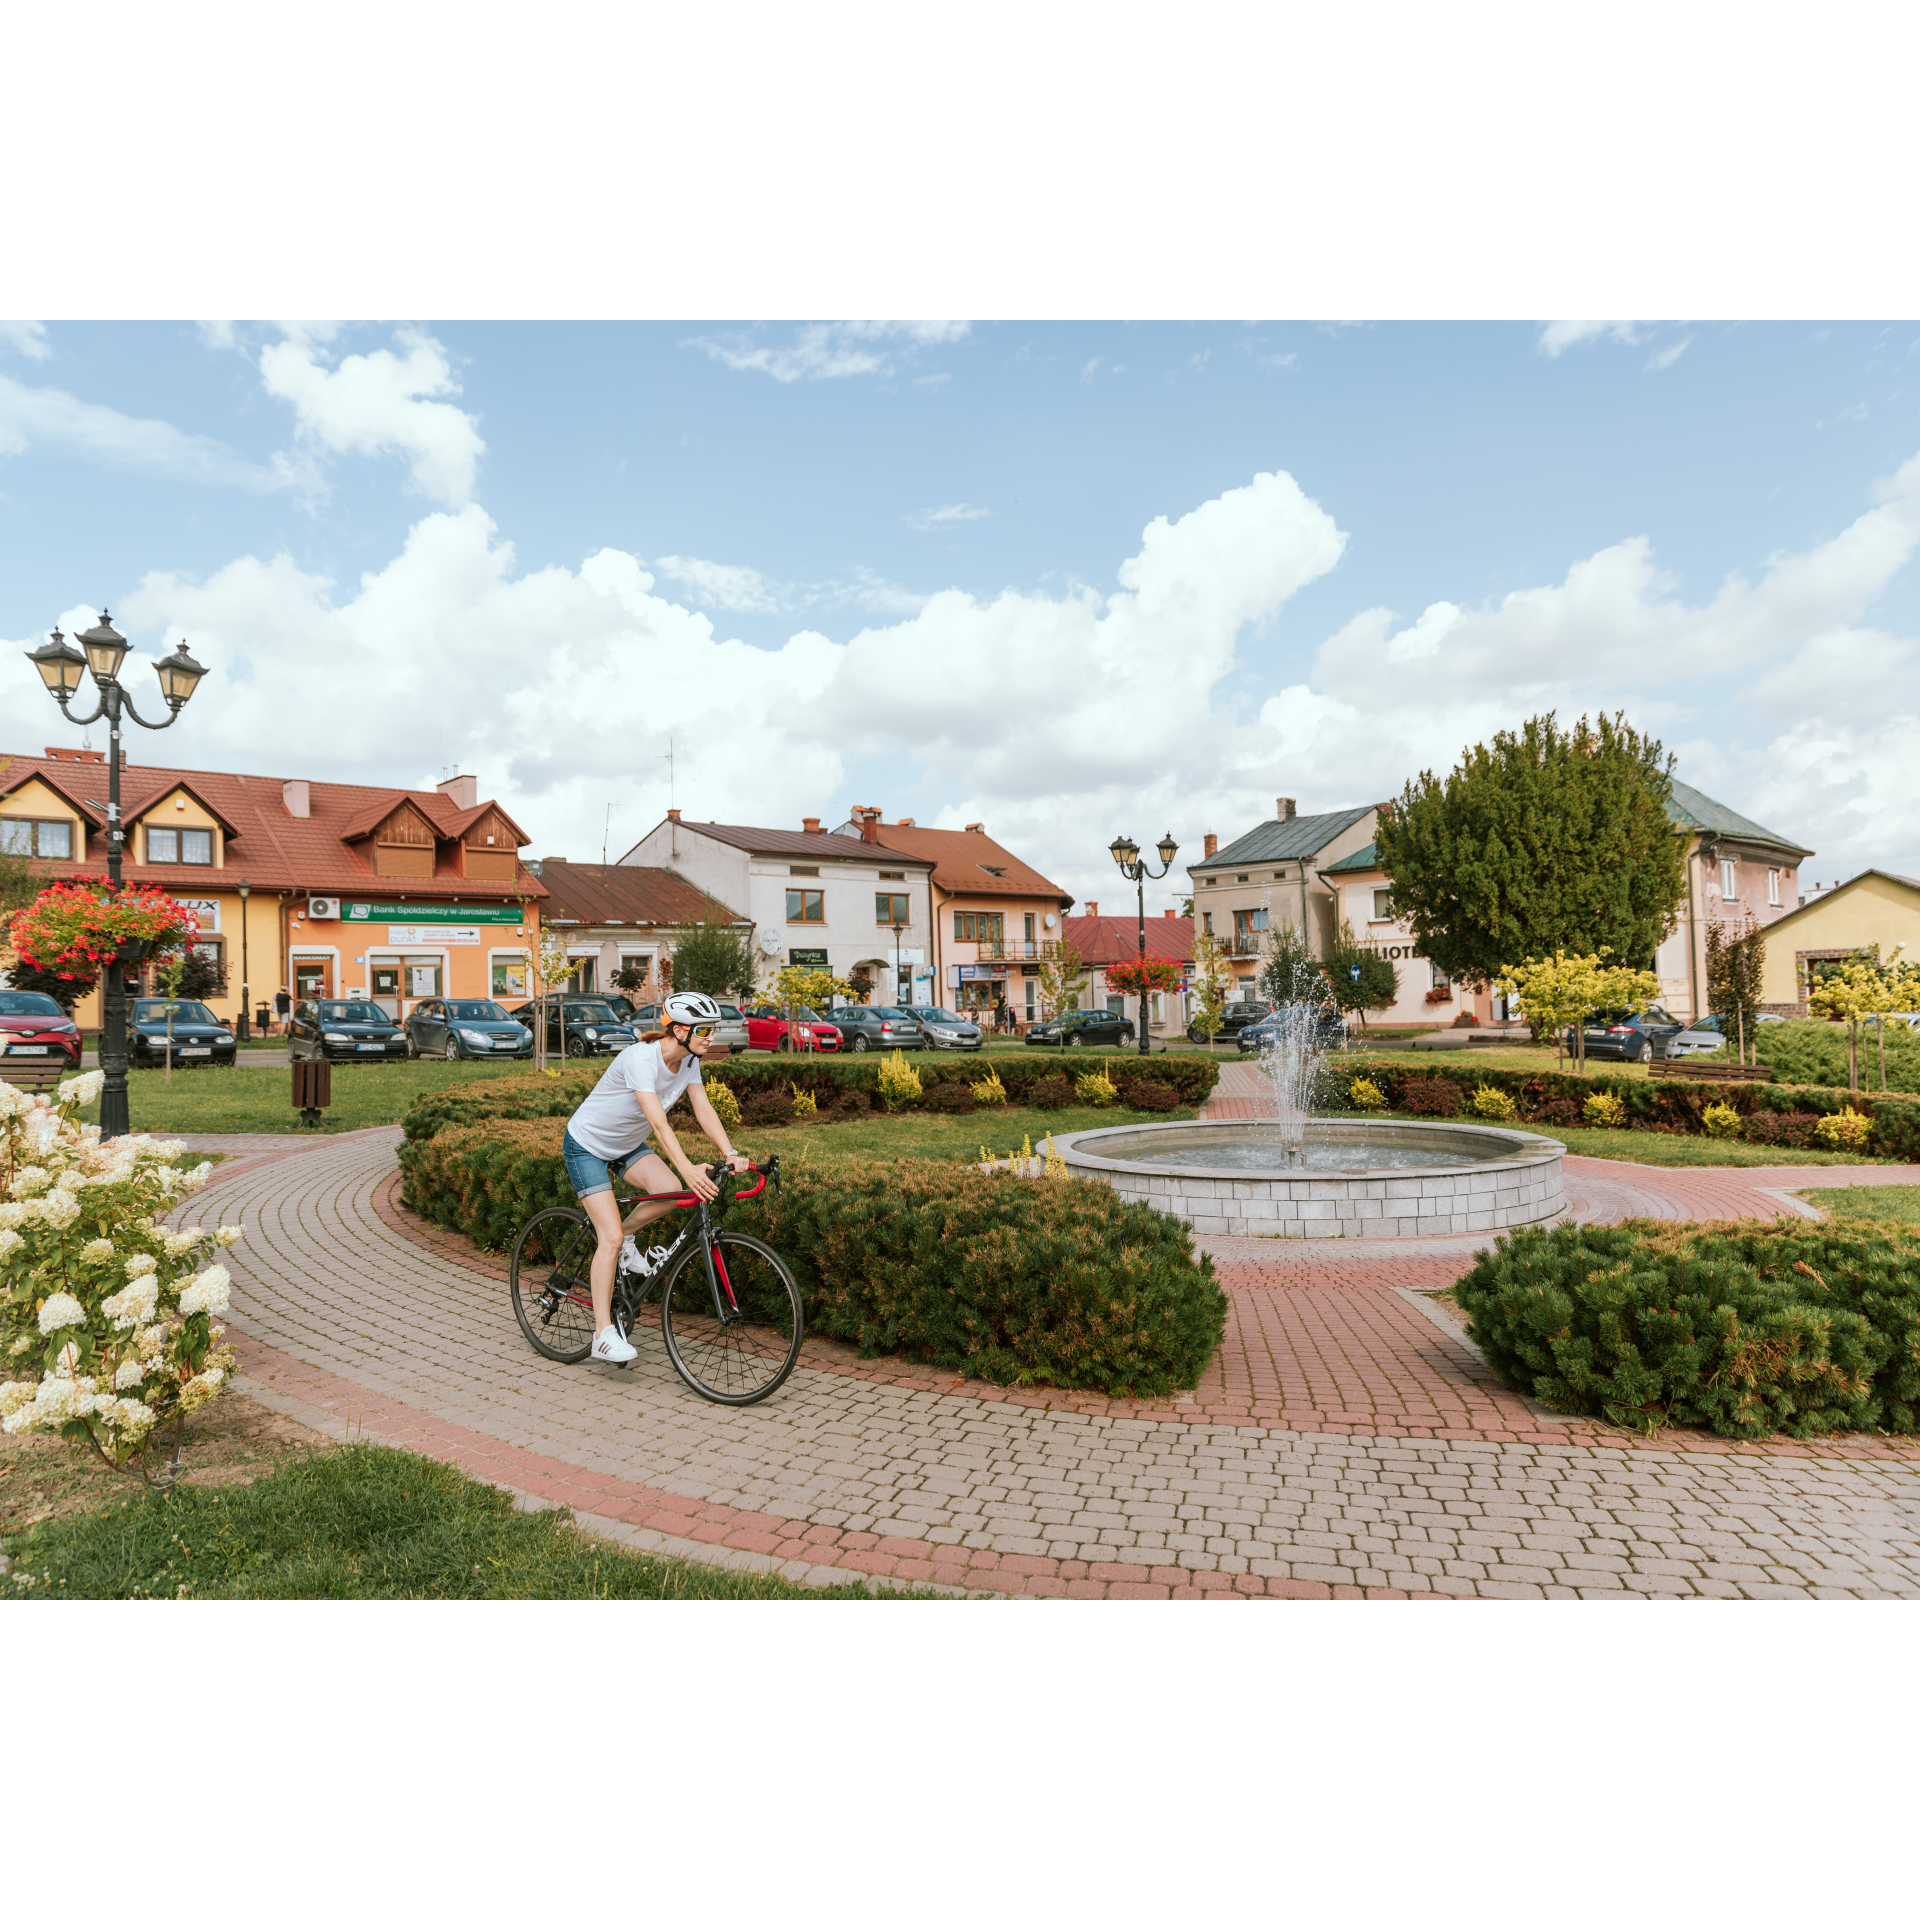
(689, 1010)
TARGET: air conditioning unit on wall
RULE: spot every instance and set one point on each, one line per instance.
(321, 908)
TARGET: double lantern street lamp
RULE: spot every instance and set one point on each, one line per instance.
(1126, 856)
(61, 667)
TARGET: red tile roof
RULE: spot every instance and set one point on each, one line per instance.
(1106, 939)
(961, 859)
(804, 846)
(585, 893)
(270, 847)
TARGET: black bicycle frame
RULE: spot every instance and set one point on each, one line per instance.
(701, 1224)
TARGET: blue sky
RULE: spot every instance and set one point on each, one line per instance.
(884, 563)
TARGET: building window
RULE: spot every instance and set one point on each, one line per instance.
(180, 846)
(892, 876)
(890, 910)
(1213, 883)
(806, 906)
(1206, 922)
(1382, 896)
(46, 839)
(979, 926)
(1773, 886)
(1248, 925)
(1240, 879)
(509, 979)
(811, 873)
(1726, 879)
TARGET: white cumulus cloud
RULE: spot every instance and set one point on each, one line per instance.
(48, 417)
(928, 518)
(28, 338)
(731, 589)
(379, 403)
(833, 349)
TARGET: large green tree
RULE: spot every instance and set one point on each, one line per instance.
(1548, 839)
(711, 957)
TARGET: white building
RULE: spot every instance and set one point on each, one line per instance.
(859, 909)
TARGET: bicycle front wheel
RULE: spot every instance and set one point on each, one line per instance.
(552, 1283)
(732, 1334)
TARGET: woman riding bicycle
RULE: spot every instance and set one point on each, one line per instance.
(613, 1132)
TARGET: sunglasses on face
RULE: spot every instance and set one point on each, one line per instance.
(700, 1033)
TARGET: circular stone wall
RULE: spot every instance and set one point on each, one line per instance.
(1502, 1179)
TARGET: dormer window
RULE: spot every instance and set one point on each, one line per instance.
(999, 873)
(42, 839)
(180, 846)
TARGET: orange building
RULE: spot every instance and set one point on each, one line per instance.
(379, 893)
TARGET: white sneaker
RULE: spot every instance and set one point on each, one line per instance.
(641, 1261)
(608, 1345)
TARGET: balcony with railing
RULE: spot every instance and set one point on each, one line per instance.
(1007, 949)
(1246, 943)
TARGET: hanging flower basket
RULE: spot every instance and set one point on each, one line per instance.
(74, 931)
(1144, 976)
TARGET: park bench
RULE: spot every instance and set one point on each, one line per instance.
(1705, 1070)
(38, 1075)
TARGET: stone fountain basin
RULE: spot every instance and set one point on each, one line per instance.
(1492, 1177)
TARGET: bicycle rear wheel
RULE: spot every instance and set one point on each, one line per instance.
(552, 1283)
(732, 1338)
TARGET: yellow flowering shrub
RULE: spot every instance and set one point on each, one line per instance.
(1721, 1122)
(1489, 1103)
(899, 1083)
(107, 1329)
(1366, 1096)
(989, 1092)
(1096, 1089)
(1604, 1110)
(1844, 1132)
(803, 1102)
(726, 1103)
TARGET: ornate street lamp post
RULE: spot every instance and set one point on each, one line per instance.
(1126, 856)
(61, 667)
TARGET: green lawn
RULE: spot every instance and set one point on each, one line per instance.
(355, 1523)
(260, 1099)
(1666, 1149)
(1510, 1058)
(1891, 1206)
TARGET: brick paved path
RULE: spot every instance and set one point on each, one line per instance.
(1347, 1442)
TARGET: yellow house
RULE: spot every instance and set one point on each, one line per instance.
(1872, 909)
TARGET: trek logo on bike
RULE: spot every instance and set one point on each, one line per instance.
(729, 1309)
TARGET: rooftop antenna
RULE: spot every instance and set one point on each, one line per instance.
(605, 827)
(671, 802)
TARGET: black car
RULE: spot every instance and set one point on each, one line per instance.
(1233, 1016)
(589, 1023)
(344, 1030)
(862, 1029)
(466, 1030)
(199, 1040)
(1329, 1030)
(1619, 1035)
(1083, 1027)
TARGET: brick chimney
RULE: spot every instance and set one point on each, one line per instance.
(869, 818)
(1170, 914)
(463, 789)
(673, 813)
(1093, 909)
(1210, 846)
(1285, 809)
(294, 793)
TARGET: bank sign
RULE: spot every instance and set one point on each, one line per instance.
(420, 913)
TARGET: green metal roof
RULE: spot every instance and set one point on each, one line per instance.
(1365, 861)
(1690, 808)
(1299, 838)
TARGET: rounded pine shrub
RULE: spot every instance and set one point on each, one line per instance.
(1844, 1132)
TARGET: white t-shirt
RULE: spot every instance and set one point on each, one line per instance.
(609, 1122)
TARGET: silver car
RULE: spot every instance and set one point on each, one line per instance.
(730, 1033)
(1704, 1036)
(945, 1029)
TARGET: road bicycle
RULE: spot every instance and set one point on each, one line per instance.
(729, 1309)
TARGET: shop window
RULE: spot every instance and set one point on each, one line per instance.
(509, 979)
(180, 846)
(806, 906)
(40, 839)
(890, 910)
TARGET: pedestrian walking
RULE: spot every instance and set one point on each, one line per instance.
(282, 1006)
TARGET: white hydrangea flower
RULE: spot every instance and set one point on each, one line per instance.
(58, 1210)
(66, 1365)
(63, 1310)
(135, 1304)
(183, 1242)
(29, 1181)
(15, 1394)
(166, 1179)
(13, 1101)
(12, 1213)
(207, 1293)
(200, 1389)
(139, 1264)
(130, 1374)
(84, 1091)
(10, 1242)
(227, 1236)
(71, 1181)
(20, 1346)
(96, 1253)
(152, 1342)
(131, 1416)
(197, 1177)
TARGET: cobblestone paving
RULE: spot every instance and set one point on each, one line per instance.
(903, 1473)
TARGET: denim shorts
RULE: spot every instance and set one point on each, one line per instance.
(589, 1173)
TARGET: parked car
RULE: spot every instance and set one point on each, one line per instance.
(199, 1038)
(1330, 1030)
(767, 1030)
(466, 1030)
(945, 1028)
(578, 1025)
(1083, 1027)
(341, 1030)
(1620, 1035)
(1233, 1016)
(862, 1029)
(730, 1033)
(1704, 1036)
(33, 1026)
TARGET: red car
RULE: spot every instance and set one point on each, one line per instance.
(767, 1031)
(33, 1026)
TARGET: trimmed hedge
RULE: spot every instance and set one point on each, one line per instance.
(1748, 1330)
(1017, 1281)
(538, 1096)
(1673, 1106)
